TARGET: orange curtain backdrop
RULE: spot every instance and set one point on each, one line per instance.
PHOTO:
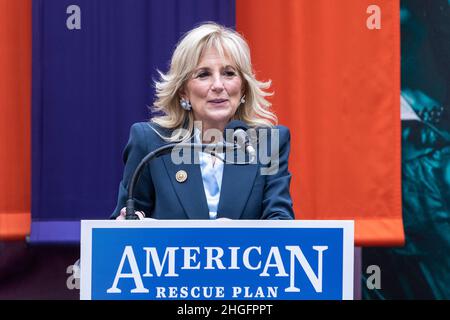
(337, 87)
(15, 139)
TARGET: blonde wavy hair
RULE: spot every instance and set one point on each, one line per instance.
(255, 112)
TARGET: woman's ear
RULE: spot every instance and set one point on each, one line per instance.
(243, 88)
(182, 94)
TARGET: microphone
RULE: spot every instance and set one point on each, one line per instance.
(130, 210)
(241, 138)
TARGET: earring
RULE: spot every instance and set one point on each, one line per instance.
(243, 99)
(185, 104)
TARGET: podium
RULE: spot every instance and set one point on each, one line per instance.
(217, 260)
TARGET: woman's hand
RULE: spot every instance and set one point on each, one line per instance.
(123, 213)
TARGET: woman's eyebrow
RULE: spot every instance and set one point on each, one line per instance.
(201, 69)
(208, 68)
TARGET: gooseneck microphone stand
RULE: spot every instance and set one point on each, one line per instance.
(130, 211)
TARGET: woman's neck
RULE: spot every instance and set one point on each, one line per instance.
(212, 133)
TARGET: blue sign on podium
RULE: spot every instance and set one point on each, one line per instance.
(217, 260)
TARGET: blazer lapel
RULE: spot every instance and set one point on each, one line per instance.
(190, 192)
(237, 182)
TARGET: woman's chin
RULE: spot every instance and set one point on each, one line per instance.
(220, 116)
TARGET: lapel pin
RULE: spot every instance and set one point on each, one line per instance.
(181, 176)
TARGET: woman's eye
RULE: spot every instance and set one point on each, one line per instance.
(202, 74)
(230, 73)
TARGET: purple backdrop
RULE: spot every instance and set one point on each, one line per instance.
(93, 67)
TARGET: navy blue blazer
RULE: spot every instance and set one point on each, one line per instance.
(245, 192)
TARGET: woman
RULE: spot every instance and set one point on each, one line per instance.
(210, 82)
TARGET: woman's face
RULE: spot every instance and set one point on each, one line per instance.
(214, 90)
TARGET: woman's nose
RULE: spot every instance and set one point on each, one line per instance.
(217, 84)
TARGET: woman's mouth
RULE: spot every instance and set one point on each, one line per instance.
(217, 101)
